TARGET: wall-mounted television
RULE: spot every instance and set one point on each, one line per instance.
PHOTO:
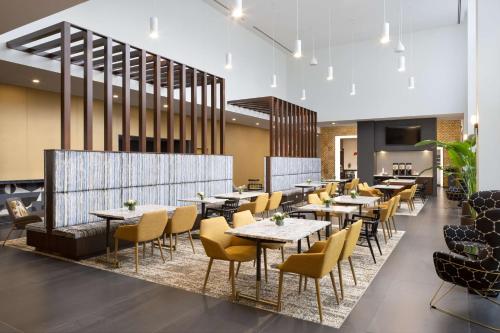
(402, 135)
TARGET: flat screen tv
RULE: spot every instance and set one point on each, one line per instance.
(402, 135)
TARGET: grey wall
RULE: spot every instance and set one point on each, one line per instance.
(371, 139)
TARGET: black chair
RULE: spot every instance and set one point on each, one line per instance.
(370, 227)
(20, 216)
(420, 193)
(228, 208)
(459, 238)
(288, 208)
(478, 270)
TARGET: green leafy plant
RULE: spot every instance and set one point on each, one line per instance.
(462, 162)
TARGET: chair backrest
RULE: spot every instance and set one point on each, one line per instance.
(250, 206)
(152, 225)
(213, 236)
(183, 219)
(16, 208)
(385, 212)
(328, 187)
(484, 200)
(333, 190)
(314, 199)
(413, 190)
(351, 239)
(332, 250)
(395, 206)
(324, 196)
(242, 218)
(287, 206)
(488, 227)
(261, 203)
(274, 201)
(367, 193)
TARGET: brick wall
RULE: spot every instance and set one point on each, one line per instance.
(448, 130)
(327, 147)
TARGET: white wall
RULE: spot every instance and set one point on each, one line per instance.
(488, 74)
(440, 69)
(350, 147)
(191, 31)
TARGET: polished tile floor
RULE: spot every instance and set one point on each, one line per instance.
(40, 294)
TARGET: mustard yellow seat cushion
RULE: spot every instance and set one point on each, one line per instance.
(241, 252)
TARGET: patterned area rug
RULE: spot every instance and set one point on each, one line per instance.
(187, 271)
(404, 211)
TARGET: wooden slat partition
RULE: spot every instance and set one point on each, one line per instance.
(272, 131)
(75, 45)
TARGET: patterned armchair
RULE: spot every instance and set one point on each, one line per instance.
(19, 215)
(460, 238)
(479, 272)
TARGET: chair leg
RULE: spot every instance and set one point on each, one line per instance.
(308, 243)
(367, 235)
(238, 268)
(300, 283)
(316, 281)
(116, 250)
(265, 264)
(136, 257)
(161, 250)
(341, 280)
(8, 235)
(283, 253)
(305, 283)
(394, 224)
(191, 240)
(175, 246)
(319, 235)
(170, 247)
(280, 288)
(207, 274)
(144, 250)
(334, 287)
(231, 273)
(152, 247)
(352, 270)
(378, 244)
(383, 231)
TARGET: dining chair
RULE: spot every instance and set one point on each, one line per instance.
(395, 207)
(149, 229)
(328, 188)
(182, 221)
(314, 264)
(220, 246)
(407, 197)
(261, 204)
(19, 215)
(244, 218)
(334, 190)
(274, 202)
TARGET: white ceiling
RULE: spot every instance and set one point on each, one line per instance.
(363, 18)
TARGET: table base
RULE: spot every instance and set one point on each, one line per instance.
(108, 260)
(255, 298)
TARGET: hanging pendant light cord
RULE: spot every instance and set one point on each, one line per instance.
(352, 50)
(400, 21)
(274, 36)
(297, 3)
(384, 13)
(330, 37)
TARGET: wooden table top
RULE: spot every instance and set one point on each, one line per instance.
(124, 213)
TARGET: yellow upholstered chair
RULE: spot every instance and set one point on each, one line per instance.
(394, 211)
(261, 204)
(274, 202)
(366, 192)
(324, 196)
(181, 222)
(220, 246)
(333, 190)
(384, 217)
(149, 229)
(408, 195)
(243, 218)
(364, 188)
(328, 188)
(352, 185)
(314, 264)
(314, 199)
(247, 206)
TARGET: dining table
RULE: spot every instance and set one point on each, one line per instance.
(245, 195)
(266, 231)
(125, 214)
(359, 201)
(307, 185)
(340, 181)
(342, 211)
(388, 189)
(204, 202)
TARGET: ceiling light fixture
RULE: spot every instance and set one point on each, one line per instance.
(386, 35)
(353, 85)
(229, 56)
(115, 96)
(411, 79)
(411, 83)
(229, 61)
(402, 64)
(333, 123)
(35, 81)
(330, 66)
(153, 27)
(400, 46)
(237, 9)
(303, 96)
(257, 124)
(298, 43)
(234, 119)
(165, 105)
(274, 77)
(274, 81)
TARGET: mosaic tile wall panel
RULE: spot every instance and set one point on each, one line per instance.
(288, 171)
(86, 181)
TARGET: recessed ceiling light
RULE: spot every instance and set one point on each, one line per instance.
(333, 123)
(257, 124)
(234, 119)
(115, 96)
(35, 81)
(165, 105)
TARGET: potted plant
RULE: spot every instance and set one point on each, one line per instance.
(130, 204)
(353, 194)
(201, 195)
(327, 202)
(279, 218)
(241, 189)
(462, 167)
(309, 180)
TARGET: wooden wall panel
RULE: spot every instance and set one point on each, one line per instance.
(271, 129)
(66, 86)
(157, 104)
(194, 111)
(222, 118)
(213, 115)
(204, 98)
(170, 106)
(182, 109)
(88, 97)
(142, 101)
(126, 97)
(108, 95)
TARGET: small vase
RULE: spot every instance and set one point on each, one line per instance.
(131, 207)
(279, 223)
(327, 205)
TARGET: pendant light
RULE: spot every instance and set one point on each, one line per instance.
(386, 34)
(237, 9)
(330, 66)
(229, 55)
(314, 60)
(402, 63)
(303, 96)
(274, 78)
(353, 85)
(153, 27)
(411, 79)
(411, 83)
(400, 46)
(298, 43)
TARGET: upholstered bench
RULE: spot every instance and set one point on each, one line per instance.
(76, 242)
(294, 195)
